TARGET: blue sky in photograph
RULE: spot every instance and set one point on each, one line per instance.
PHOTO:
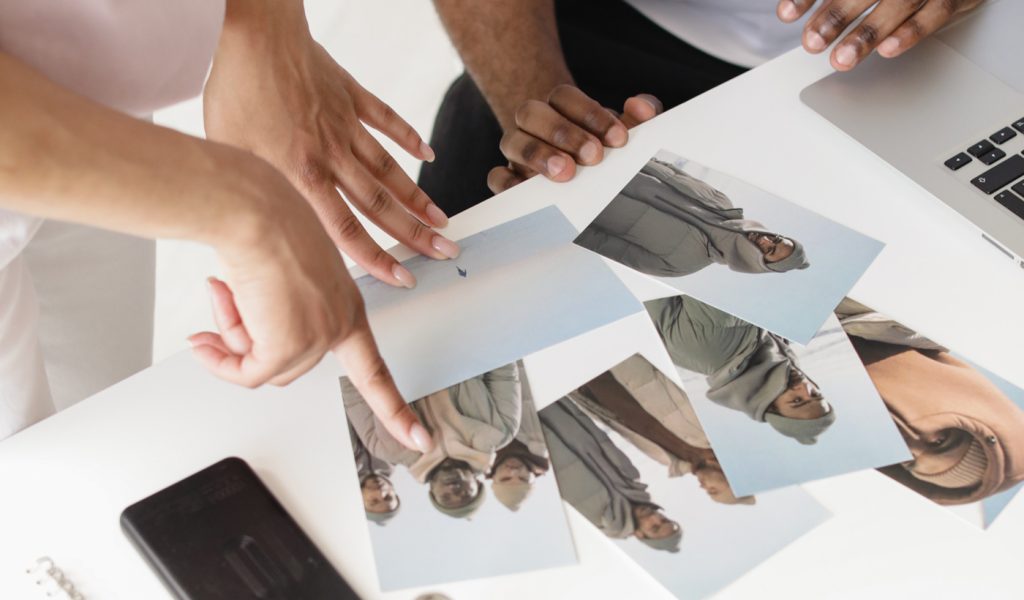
(720, 542)
(794, 304)
(757, 458)
(526, 287)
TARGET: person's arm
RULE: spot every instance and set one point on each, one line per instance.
(512, 52)
(276, 92)
(290, 298)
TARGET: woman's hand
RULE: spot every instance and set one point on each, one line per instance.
(570, 128)
(276, 92)
(288, 300)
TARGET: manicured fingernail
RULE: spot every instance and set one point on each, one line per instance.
(846, 56)
(589, 152)
(404, 276)
(421, 438)
(889, 47)
(616, 136)
(814, 41)
(555, 165)
(436, 216)
(445, 246)
(787, 11)
(427, 152)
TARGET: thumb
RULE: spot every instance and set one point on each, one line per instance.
(639, 109)
(368, 372)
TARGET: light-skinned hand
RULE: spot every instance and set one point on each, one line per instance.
(276, 92)
(288, 300)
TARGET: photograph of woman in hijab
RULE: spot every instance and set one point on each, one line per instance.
(610, 460)
(434, 520)
(730, 244)
(778, 413)
(964, 426)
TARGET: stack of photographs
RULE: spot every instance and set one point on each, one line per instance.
(751, 374)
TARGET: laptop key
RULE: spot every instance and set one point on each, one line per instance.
(1019, 188)
(981, 148)
(958, 161)
(1000, 175)
(1012, 202)
(1019, 125)
(992, 156)
(1003, 135)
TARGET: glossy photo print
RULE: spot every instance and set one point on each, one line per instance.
(778, 413)
(515, 288)
(963, 424)
(734, 246)
(482, 503)
(631, 457)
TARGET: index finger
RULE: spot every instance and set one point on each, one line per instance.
(366, 369)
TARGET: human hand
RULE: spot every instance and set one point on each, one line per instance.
(893, 27)
(288, 300)
(570, 128)
(276, 92)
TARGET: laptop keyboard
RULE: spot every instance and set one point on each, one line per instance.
(1003, 179)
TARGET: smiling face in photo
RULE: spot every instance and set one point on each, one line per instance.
(773, 246)
(379, 495)
(801, 400)
(513, 470)
(454, 484)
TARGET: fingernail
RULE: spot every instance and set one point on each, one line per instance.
(616, 136)
(445, 246)
(788, 11)
(191, 342)
(589, 152)
(653, 101)
(815, 43)
(427, 152)
(436, 216)
(889, 47)
(846, 56)
(555, 165)
(404, 276)
(421, 438)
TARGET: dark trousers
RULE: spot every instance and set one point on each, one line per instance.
(613, 52)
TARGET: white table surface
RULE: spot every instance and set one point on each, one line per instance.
(64, 482)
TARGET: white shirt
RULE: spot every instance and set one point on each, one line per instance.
(742, 32)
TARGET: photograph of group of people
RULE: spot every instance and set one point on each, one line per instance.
(630, 456)
(480, 503)
(778, 413)
(964, 426)
(734, 246)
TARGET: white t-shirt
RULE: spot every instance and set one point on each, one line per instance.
(743, 32)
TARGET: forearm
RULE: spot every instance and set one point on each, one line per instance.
(510, 49)
(65, 157)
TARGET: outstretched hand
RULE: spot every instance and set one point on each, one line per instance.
(290, 301)
(891, 28)
(569, 129)
(276, 92)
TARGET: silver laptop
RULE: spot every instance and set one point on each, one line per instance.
(949, 114)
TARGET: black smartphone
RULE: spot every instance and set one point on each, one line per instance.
(221, 534)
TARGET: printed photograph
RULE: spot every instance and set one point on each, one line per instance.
(778, 413)
(482, 503)
(631, 457)
(732, 245)
(963, 424)
(515, 289)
